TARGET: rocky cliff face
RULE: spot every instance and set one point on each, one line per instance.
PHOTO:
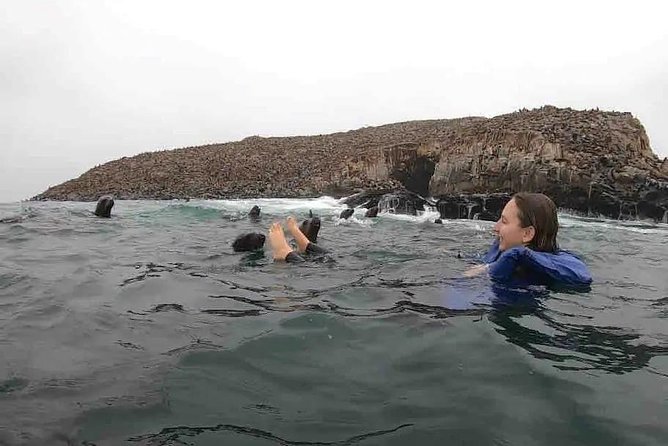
(589, 161)
(594, 162)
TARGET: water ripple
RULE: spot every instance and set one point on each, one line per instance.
(119, 326)
(169, 435)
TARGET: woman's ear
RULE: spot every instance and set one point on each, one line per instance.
(528, 234)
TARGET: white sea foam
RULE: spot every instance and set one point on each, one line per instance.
(423, 216)
(321, 205)
(570, 221)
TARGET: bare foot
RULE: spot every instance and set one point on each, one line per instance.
(279, 245)
(297, 234)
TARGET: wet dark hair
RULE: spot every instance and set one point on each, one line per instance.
(539, 211)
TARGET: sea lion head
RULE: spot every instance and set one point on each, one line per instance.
(310, 227)
(248, 242)
(254, 213)
(104, 205)
(346, 213)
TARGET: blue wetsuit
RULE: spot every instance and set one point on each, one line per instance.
(520, 266)
(519, 278)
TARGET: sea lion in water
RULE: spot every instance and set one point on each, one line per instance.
(104, 205)
(248, 242)
(254, 213)
(310, 228)
(372, 212)
(346, 213)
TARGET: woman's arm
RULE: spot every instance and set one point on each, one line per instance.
(489, 257)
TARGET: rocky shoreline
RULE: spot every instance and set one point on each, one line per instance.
(592, 162)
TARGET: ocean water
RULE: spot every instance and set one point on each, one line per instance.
(146, 329)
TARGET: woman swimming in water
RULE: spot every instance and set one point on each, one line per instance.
(526, 252)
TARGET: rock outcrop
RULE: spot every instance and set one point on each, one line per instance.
(590, 161)
(398, 201)
(473, 207)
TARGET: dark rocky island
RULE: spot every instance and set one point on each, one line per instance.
(592, 162)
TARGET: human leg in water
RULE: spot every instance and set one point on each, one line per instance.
(301, 240)
(304, 245)
(281, 250)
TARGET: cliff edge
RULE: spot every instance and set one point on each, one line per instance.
(590, 161)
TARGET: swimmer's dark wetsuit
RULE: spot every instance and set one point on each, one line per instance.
(523, 266)
(311, 248)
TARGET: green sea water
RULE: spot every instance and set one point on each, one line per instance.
(146, 329)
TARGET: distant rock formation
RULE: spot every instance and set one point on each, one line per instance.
(397, 201)
(469, 206)
(473, 207)
(591, 161)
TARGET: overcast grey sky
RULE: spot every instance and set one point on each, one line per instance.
(86, 82)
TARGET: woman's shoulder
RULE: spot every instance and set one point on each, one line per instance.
(563, 266)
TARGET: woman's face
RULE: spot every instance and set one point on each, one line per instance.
(509, 229)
